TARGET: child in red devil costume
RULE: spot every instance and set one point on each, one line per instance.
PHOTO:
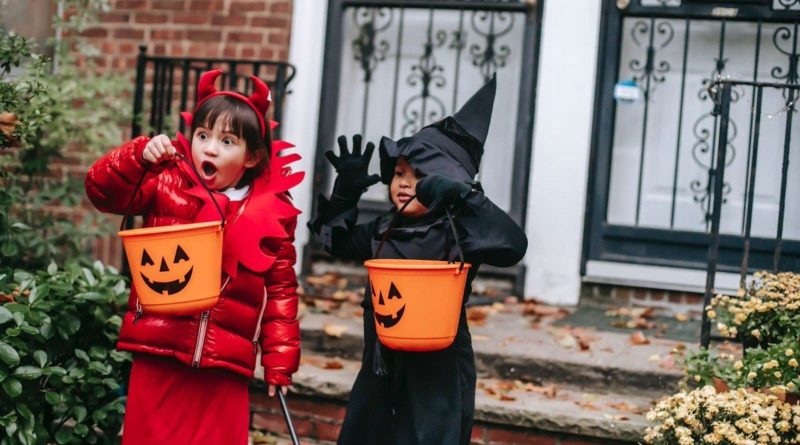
(189, 380)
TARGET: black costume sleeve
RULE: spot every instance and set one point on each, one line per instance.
(335, 225)
(488, 235)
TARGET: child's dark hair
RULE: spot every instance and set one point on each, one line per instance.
(242, 121)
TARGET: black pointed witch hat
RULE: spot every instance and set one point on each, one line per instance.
(452, 147)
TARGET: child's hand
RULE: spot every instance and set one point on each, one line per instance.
(438, 192)
(158, 150)
(271, 390)
(352, 167)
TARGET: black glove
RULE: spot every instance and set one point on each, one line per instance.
(438, 192)
(352, 168)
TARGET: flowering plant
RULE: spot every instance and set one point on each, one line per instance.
(704, 416)
(763, 313)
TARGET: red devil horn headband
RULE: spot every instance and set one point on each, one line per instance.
(259, 101)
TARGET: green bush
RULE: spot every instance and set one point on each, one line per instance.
(59, 373)
(60, 377)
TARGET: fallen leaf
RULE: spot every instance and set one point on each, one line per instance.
(507, 398)
(588, 406)
(638, 338)
(618, 418)
(328, 279)
(681, 317)
(477, 337)
(567, 341)
(334, 330)
(333, 364)
(655, 358)
(477, 315)
(532, 308)
(627, 408)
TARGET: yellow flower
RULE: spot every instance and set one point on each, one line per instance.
(738, 364)
(752, 375)
(793, 363)
(789, 352)
(712, 314)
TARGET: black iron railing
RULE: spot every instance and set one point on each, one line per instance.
(166, 86)
(653, 155)
(723, 93)
(395, 66)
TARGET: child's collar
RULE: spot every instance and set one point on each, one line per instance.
(236, 194)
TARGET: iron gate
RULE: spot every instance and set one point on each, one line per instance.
(392, 67)
(653, 154)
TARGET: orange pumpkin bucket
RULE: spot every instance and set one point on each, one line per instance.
(176, 270)
(417, 303)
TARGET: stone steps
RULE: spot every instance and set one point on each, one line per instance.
(529, 410)
(507, 347)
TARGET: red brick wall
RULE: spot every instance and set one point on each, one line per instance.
(244, 29)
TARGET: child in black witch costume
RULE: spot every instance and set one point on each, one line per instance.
(418, 397)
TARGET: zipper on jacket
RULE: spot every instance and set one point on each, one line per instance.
(139, 312)
(201, 339)
(201, 331)
(258, 324)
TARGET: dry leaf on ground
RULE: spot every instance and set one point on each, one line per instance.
(638, 338)
(588, 405)
(328, 279)
(540, 311)
(627, 408)
(334, 330)
(477, 315)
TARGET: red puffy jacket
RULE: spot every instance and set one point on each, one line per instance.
(254, 309)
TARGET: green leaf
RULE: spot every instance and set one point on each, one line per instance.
(52, 398)
(79, 412)
(52, 268)
(21, 275)
(89, 276)
(11, 428)
(91, 296)
(24, 411)
(8, 249)
(12, 387)
(8, 355)
(18, 317)
(39, 292)
(28, 372)
(5, 315)
(40, 357)
(81, 354)
(81, 429)
(3, 375)
(28, 329)
(63, 437)
(54, 370)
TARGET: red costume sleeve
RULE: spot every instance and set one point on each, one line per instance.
(280, 331)
(111, 181)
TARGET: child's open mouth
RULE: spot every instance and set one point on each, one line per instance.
(209, 169)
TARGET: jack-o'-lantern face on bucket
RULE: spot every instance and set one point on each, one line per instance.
(389, 311)
(166, 277)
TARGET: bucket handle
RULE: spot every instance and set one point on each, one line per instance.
(449, 219)
(141, 179)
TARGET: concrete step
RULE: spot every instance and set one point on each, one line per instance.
(509, 346)
(503, 408)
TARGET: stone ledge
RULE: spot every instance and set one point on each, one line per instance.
(507, 347)
(571, 412)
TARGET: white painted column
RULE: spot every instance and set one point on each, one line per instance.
(306, 51)
(561, 145)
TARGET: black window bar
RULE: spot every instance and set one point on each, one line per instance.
(171, 83)
(722, 90)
